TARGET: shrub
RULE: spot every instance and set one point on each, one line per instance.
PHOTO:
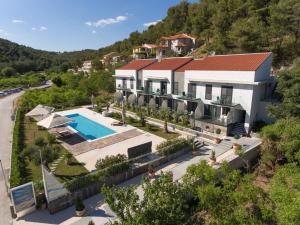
(40, 141)
(173, 145)
(218, 131)
(109, 161)
(79, 206)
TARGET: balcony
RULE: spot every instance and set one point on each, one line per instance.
(223, 101)
(149, 91)
(190, 96)
(123, 88)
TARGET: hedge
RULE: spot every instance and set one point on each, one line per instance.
(97, 176)
(18, 164)
(173, 145)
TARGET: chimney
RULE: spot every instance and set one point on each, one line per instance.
(159, 55)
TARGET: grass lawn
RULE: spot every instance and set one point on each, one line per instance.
(153, 129)
(64, 172)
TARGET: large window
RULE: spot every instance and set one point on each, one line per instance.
(226, 94)
(175, 90)
(192, 90)
(208, 92)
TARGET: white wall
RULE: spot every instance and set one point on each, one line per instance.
(150, 74)
(230, 76)
(263, 72)
(125, 72)
(179, 77)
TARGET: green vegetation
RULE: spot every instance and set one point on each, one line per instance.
(153, 129)
(173, 145)
(267, 193)
(30, 79)
(110, 160)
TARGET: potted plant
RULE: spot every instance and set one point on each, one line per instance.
(218, 131)
(79, 207)
(217, 140)
(213, 158)
(69, 158)
(236, 147)
(151, 171)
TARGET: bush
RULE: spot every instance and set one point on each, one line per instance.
(173, 145)
(109, 161)
(218, 131)
(79, 206)
(17, 161)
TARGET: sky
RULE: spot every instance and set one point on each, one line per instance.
(68, 25)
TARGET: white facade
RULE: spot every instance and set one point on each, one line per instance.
(86, 66)
(249, 88)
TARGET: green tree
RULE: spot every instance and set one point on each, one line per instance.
(285, 192)
(163, 202)
(8, 71)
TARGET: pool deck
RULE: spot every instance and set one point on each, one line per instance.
(88, 152)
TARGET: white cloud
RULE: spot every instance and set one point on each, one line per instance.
(17, 21)
(108, 21)
(1, 30)
(94, 32)
(151, 23)
(42, 28)
(33, 28)
(89, 23)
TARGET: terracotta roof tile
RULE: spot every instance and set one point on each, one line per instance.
(177, 36)
(137, 64)
(238, 62)
(169, 63)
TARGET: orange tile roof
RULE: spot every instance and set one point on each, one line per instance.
(169, 63)
(177, 36)
(238, 62)
(137, 64)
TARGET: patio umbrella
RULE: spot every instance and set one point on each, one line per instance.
(54, 120)
(40, 112)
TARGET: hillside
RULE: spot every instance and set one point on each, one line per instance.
(222, 26)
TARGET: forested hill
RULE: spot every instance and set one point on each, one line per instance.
(23, 59)
(222, 26)
(230, 26)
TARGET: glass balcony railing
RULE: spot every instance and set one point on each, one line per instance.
(227, 100)
(122, 87)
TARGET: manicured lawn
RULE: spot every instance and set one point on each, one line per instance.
(64, 172)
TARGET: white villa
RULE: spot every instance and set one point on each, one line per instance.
(232, 89)
(86, 67)
(179, 43)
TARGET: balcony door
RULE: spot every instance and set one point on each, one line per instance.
(163, 87)
(148, 85)
(124, 83)
(192, 90)
(226, 94)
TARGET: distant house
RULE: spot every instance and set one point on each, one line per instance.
(86, 67)
(148, 51)
(112, 58)
(180, 43)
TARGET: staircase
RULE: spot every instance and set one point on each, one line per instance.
(198, 144)
(238, 129)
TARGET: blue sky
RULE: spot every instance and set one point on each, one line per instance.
(67, 25)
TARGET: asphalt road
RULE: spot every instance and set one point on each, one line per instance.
(6, 130)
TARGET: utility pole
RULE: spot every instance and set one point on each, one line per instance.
(6, 185)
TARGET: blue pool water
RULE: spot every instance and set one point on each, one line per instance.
(87, 128)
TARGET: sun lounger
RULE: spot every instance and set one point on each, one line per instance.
(118, 123)
(64, 134)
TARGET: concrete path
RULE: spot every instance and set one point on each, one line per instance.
(98, 210)
(6, 130)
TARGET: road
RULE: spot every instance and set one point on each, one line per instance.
(6, 130)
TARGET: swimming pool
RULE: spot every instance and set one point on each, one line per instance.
(87, 128)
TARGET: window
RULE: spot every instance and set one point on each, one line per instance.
(131, 84)
(208, 91)
(192, 90)
(175, 90)
(226, 94)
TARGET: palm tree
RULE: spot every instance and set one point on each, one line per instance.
(165, 113)
(69, 158)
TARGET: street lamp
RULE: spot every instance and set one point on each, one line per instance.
(5, 181)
